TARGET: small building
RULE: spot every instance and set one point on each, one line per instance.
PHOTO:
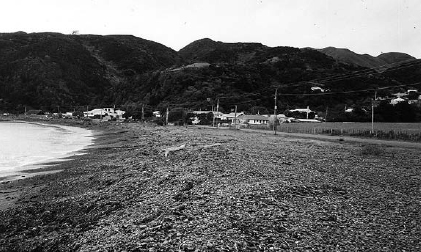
(156, 114)
(231, 116)
(67, 115)
(253, 119)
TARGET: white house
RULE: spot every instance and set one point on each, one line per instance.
(111, 112)
(156, 113)
(231, 116)
(396, 101)
(253, 119)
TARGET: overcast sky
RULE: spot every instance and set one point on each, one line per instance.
(363, 26)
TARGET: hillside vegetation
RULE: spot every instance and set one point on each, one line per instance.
(365, 60)
(52, 72)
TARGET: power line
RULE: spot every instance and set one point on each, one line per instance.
(352, 91)
(355, 74)
(362, 73)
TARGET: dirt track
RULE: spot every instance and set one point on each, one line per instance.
(391, 143)
(225, 190)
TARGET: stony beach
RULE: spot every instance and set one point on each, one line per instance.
(151, 188)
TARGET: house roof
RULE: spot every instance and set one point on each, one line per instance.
(233, 114)
(301, 110)
(216, 113)
(201, 112)
(253, 117)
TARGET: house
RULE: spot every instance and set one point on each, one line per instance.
(103, 112)
(317, 89)
(67, 115)
(156, 114)
(231, 116)
(396, 101)
(253, 119)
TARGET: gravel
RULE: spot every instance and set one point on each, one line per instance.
(150, 188)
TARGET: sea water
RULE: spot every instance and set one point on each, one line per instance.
(25, 146)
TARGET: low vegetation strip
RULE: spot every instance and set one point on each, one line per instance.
(223, 191)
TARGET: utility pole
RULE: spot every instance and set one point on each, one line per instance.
(372, 112)
(217, 108)
(143, 113)
(166, 117)
(274, 111)
(235, 117)
(327, 108)
(213, 117)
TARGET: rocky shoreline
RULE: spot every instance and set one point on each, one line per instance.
(149, 188)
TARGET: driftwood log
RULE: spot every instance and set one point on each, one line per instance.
(171, 149)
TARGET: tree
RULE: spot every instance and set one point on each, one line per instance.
(205, 119)
(177, 115)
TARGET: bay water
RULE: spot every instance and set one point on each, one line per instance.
(25, 146)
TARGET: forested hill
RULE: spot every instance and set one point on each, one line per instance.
(50, 70)
(46, 70)
(365, 60)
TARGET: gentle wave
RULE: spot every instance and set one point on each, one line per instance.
(25, 146)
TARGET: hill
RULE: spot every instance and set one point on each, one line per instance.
(346, 56)
(218, 52)
(48, 70)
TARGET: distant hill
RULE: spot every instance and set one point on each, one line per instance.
(365, 60)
